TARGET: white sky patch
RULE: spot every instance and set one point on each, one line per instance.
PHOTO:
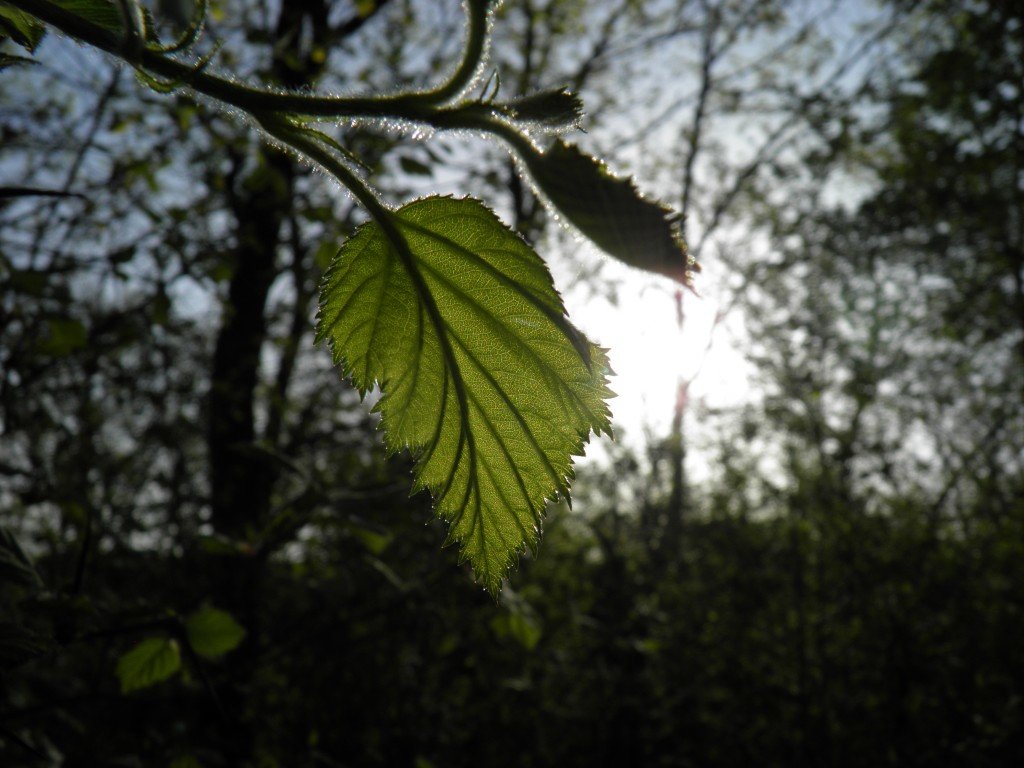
(649, 353)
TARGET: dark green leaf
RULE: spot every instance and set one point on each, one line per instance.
(9, 60)
(15, 567)
(102, 13)
(150, 662)
(365, 8)
(218, 544)
(213, 632)
(414, 167)
(483, 376)
(22, 28)
(521, 627)
(556, 110)
(374, 542)
(65, 337)
(31, 282)
(610, 211)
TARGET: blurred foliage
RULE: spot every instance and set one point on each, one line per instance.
(182, 472)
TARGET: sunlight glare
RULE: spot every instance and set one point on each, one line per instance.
(650, 353)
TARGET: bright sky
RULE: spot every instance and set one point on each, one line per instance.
(648, 351)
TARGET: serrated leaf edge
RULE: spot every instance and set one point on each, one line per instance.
(599, 422)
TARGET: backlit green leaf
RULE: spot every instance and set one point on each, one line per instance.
(152, 661)
(611, 211)
(213, 632)
(483, 377)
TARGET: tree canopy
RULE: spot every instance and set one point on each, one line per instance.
(221, 375)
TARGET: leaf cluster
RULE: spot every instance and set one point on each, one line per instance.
(438, 302)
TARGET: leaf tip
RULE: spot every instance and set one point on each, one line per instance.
(610, 211)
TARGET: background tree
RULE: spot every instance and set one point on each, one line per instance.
(843, 589)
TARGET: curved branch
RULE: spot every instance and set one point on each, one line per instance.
(416, 107)
(473, 55)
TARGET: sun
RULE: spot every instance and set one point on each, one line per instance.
(659, 334)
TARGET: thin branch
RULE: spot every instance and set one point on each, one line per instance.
(779, 138)
(418, 107)
(708, 57)
(72, 175)
(600, 46)
(12, 192)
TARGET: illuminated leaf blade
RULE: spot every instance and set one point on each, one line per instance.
(152, 661)
(482, 376)
(212, 632)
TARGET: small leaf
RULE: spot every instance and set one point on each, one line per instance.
(483, 377)
(213, 632)
(414, 167)
(31, 282)
(219, 544)
(15, 567)
(23, 29)
(374, 542)
(365, 8)
(150, 662)
(521, 627)
(556, 110)
(65, 337)
(610, 211)
(9, 60)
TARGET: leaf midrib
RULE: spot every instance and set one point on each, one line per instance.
(393, 233)
(576, 401)
(555, 316)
